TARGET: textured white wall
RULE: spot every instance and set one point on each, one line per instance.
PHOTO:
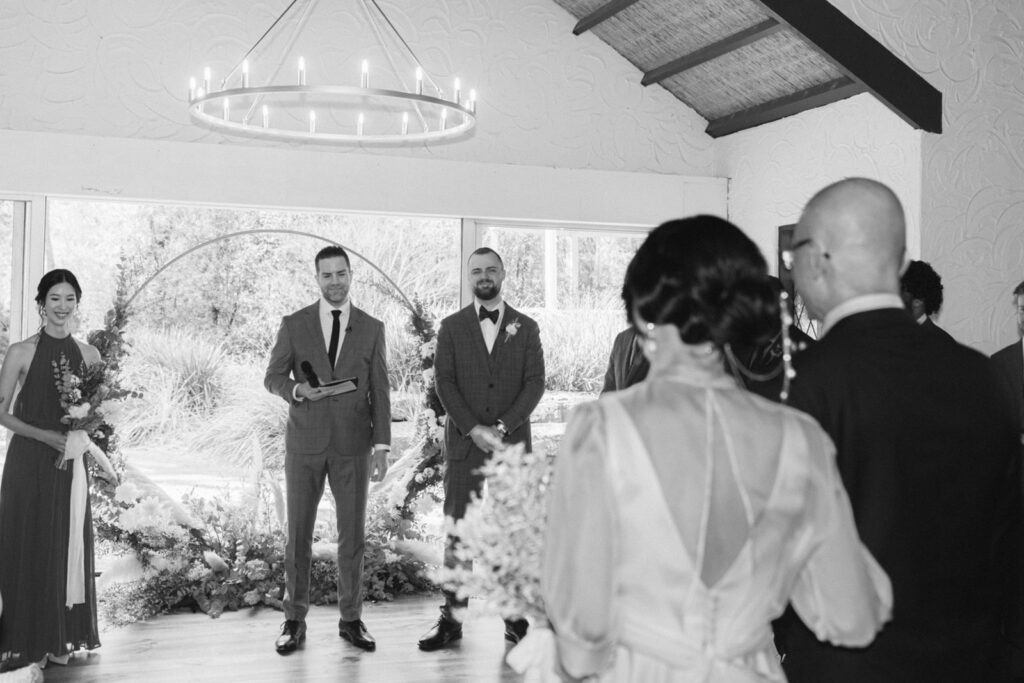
(775, 168)
(973, 173)
(120, 69)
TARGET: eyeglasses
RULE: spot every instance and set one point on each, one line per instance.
(789, 254)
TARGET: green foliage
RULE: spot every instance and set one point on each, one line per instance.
(247, 428)
(576, 347)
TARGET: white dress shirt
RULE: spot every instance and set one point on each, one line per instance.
(859, 304)
(489, 329)
(327, 322)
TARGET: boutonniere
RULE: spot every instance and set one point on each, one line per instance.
(511, 329)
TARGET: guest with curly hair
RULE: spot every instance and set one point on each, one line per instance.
(921, 291)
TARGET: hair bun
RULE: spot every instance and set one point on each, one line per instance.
(747, 313)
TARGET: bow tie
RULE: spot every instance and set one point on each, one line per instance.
(489, 315)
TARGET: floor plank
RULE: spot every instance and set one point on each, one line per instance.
(239, 646)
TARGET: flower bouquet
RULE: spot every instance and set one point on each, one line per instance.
(504, 533)
(80, 396)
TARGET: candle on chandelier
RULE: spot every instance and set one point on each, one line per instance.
(312, 122)
(191, 89)
(364, 76)
(227, 109)
(419, 80)
(472, 101)
(405, 123)
(444, 119)
(206, 79)
(302, 71)
(359, 124)
(266, 116)
(245, 73)
(458, 92)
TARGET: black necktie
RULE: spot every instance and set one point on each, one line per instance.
(332, 349)
(489, 315)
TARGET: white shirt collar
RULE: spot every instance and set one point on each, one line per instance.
(920, 321)
(326, 307)
(859, 304)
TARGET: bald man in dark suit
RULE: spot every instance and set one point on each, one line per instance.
(926, 447)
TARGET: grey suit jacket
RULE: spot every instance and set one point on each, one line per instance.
(477, 388)
(627, 364)
(1009, 364)
(364, 415)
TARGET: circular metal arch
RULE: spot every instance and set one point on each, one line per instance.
(259, 231)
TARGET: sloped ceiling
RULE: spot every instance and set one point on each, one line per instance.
(742, 63)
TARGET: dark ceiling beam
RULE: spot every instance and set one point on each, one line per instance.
(817, 96)
(709, 52)
(605, 11)
(863, 59)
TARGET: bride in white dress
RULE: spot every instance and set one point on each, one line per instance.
(687, 512)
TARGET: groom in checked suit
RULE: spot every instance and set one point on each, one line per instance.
(489, 371)
(926, 448)
(333, 434)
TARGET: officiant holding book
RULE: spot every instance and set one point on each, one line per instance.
(329, 364)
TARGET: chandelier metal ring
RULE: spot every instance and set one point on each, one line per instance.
(336, 112)
(200, 108)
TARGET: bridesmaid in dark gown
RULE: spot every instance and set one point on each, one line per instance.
(36, 626)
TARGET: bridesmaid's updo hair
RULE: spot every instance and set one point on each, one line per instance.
(55, 277)
(703, 275)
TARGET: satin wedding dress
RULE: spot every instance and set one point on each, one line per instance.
(686, 513)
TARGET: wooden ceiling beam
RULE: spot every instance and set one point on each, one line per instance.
(709, 52)
(605, 11)
(816, 96)
(857, 54)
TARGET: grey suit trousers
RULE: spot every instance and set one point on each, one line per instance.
(349, 478)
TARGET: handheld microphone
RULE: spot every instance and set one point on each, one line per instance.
(311, 377)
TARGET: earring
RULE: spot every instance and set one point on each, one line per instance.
(650, 345)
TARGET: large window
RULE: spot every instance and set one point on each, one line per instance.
(570, 279)
(8, 211)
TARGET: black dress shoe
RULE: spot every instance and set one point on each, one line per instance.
(355, 632)
(292, 634)
(515, 629)
(445, 631)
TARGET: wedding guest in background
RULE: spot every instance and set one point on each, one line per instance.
(1009, 363)
(921, 291)
(340, 433)
(489, 372)
(927, 451)
(759, 368)
(685, 511)
(49, 607)
(627, 364)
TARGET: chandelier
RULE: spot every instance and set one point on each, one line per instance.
(280, 99)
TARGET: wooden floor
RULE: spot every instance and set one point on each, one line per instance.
(239, 646)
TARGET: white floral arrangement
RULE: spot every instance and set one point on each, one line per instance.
(503, 533)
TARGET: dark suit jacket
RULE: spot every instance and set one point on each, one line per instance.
(1009, 365)
(627, 363)
(929, 459)
(929, 326)
(364, 415)
(477, 388)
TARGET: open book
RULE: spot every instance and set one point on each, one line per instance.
(340, 386)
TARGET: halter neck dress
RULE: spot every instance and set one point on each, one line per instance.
(34, 521)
